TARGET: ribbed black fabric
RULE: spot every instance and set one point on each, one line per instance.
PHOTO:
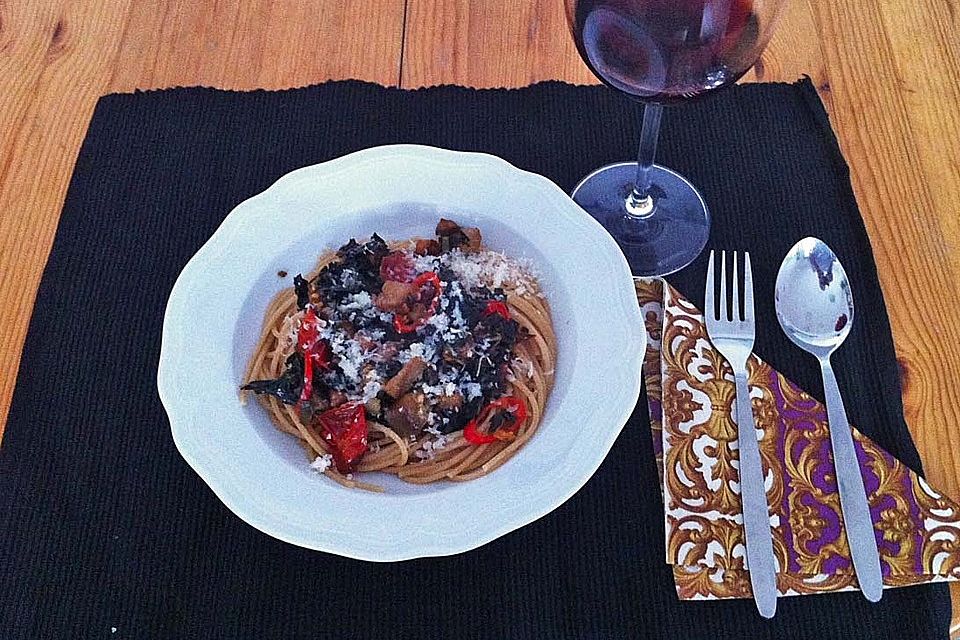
(103, 525)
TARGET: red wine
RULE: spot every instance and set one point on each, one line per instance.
(667, 50)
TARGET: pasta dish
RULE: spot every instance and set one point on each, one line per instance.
(430, 359)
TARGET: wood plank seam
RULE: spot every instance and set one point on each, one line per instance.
(403, 42)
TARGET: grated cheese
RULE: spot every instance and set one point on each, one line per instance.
(433, 391)
(361, 300)
(370, 391)
(425, 263)
(351, 357)
(418, 350)
(472, 390)
(322, 463)
(440, 321)
(492, 269)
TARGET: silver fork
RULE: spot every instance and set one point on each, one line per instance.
(733, 336)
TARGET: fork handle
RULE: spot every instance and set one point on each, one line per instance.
(857, 521)
(756, 515)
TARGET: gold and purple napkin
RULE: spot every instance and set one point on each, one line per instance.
(691, 395)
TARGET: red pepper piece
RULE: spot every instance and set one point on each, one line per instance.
(426, 296)
(344, 429)
(397, 266)
(316, 352)
(515, 412)
(319, 358)
(495, 307)
(307, 389)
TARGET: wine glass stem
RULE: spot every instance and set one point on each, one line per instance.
(640, 202)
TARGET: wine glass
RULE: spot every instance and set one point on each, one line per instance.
(661, 52)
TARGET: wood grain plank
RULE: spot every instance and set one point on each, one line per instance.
(899, 135)
(26, 34)
(928, 72)
(53, 96)
(794, 51)
(249, 44)
(489, 44)
(907, 225)
(26, 31)
(506, 44)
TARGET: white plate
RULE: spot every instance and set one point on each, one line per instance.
(215, 311)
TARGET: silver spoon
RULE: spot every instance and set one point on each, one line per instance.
(815, 308)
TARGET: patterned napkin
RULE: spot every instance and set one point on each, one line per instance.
(690, 393)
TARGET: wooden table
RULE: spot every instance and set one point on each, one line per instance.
(888, 71)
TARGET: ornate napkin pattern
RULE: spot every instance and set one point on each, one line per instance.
(691, 396)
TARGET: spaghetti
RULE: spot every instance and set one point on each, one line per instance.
(426, 359)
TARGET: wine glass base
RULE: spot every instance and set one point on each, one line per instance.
(668, 239)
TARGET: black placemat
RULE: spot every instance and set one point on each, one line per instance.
(103, 526)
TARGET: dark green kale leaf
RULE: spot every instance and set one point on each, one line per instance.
(358, 269)
(287, 387)
(302, 288)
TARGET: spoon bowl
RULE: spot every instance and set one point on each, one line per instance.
(813, 299)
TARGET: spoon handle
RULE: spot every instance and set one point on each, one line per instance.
(853, 497)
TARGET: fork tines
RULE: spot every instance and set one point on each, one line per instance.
(726, 313)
